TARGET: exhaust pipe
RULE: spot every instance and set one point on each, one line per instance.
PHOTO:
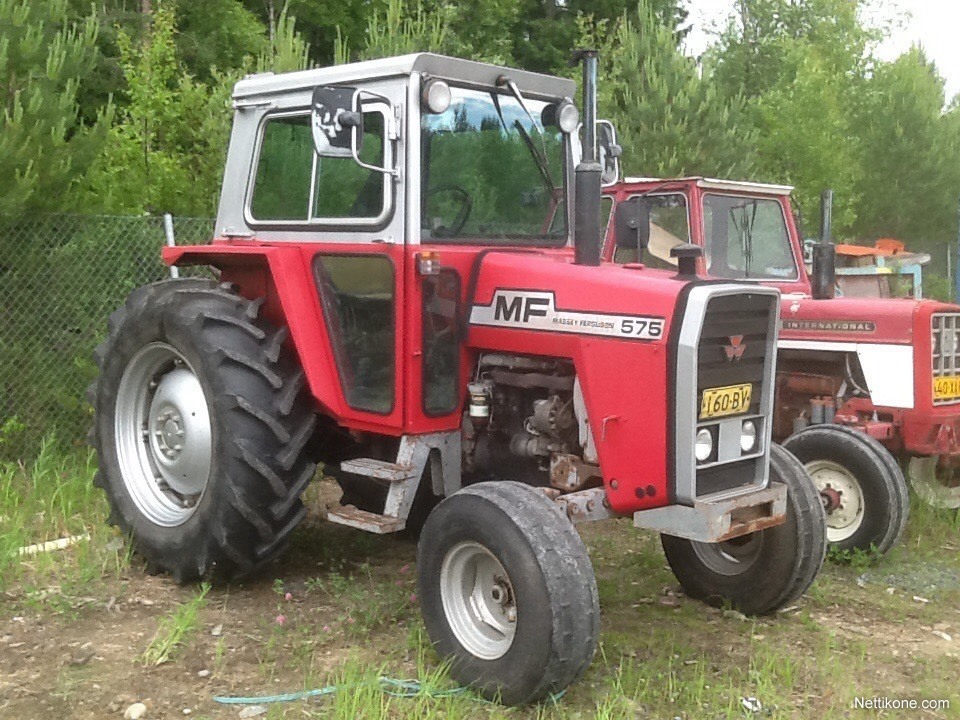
(586, 203)
(823, 274)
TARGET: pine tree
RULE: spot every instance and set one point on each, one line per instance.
(44, 145)
(671, 121)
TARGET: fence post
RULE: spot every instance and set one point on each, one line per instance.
(171, 242)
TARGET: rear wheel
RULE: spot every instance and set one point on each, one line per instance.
(762, 571)
(936, 483)
(200, 428)
(862, 488)
(507, 592)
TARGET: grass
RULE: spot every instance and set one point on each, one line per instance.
(49, 498)
(350, 615)
(175, 629)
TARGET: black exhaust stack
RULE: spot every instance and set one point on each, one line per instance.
(586, 222)
(823, 274)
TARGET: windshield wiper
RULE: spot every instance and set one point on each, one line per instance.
(539, 154)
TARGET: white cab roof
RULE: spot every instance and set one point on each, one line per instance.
(441, 66)
(716, 184)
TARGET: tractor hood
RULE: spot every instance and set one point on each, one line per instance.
(892, 321)
(567, 302)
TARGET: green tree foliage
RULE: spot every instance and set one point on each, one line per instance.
(218, 35)
(321, 23)
(671, 120)
(399, 29)
(546, 30)
(802, 64)
(44, 144)
(166, 152)
(910, 177)
(805, 136)
(286, 50)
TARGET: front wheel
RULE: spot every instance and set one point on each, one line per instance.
(507, 592)
(861, 486)
(765, 570)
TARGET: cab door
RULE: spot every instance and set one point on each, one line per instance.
(343, 207)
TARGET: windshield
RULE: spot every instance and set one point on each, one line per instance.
(490, 174)
(747, 238)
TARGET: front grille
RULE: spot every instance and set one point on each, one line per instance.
(727, 338)
(945, 341)
(745, 316)
(734, 350)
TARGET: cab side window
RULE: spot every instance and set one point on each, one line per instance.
(669, 227)
(357, 292)
(293, 184)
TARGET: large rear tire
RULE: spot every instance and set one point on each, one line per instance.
(507, 592)
(863, 489)
(200, 428)
(766, 570)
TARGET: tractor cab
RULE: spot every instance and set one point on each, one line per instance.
(746, 229)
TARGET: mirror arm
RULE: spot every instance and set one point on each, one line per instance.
(392, 132)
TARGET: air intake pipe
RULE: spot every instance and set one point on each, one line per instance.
(586, 203)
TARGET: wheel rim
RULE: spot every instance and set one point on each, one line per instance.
(730, 557)
(842, 498)
(478, 600)
(163, 434)
(936, 485)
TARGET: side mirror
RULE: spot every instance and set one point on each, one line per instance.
(609, 153)
(631, 225)
(336, 120)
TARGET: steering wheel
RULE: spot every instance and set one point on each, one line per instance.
(463, 214)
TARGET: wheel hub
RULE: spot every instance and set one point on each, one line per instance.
(163, 434)
(731, 557)
(841, 496)
(478, 600)
(181, 439)
(830, 499)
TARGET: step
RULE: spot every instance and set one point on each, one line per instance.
(377, 469)
(362, 520)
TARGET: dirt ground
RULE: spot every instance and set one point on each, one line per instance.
(342, 602)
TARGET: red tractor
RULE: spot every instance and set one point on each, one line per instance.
(410, 293)
(888, 369)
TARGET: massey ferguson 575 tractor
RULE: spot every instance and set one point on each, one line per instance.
(887, 368)
(401, 298)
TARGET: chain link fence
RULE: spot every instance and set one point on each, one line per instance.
(60, 278)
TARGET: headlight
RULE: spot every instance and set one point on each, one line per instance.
(748, 436)
(704, 446)
(435, 96)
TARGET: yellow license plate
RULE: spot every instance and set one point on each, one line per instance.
(721, 401)
(946, 388)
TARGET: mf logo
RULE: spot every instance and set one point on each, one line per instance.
(736, 348)
(520, 308)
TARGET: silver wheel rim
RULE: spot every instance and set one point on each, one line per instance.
(845, 519)
(478, 600)
(730, 557)
(935, 485)
(163, 434)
